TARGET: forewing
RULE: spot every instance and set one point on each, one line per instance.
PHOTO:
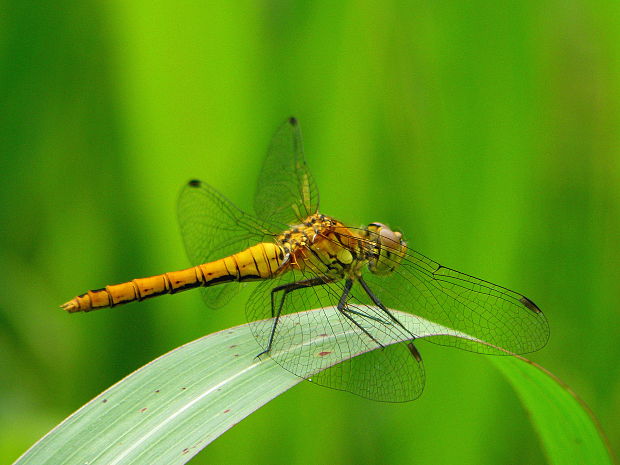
(488, 312)
(313, 342)
(286, 192)
(212, 228)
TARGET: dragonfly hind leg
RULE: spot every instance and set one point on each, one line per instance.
(286, 288)
(365, 315)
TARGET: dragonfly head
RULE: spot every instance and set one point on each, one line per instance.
(387, 248)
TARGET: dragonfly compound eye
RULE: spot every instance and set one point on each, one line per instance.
(389, 249)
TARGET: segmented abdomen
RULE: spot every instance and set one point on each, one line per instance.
(261, 261)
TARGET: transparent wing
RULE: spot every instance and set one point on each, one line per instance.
(286, 192)
(308, 344)
(465, 303)
(212, 228)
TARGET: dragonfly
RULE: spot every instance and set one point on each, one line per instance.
(319, 278)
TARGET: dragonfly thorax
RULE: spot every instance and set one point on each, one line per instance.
(324, 246)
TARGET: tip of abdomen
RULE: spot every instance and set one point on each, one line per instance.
(70, 307)
(77, 304)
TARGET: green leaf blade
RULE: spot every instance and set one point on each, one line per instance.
(170, 409)
(568, 430)
(174, 406)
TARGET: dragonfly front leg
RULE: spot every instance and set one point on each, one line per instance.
(290, 287)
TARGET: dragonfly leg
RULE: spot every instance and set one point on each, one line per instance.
(290, 287)
(370, 317)
(379, 304)
(342, 308)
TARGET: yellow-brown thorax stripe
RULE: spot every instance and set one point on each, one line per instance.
(324, 246)
(260, 261)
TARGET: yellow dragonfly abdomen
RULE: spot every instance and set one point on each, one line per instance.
(261, 261)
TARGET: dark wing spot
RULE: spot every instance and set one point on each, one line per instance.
(529, 304)
(194, 183)
(292, 121)
(414, 352)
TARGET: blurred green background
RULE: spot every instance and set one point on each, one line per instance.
(487, 131)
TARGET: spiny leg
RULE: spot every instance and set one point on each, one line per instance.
(290, 287)
(365, 315)
(342, 303)
(379, 304)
